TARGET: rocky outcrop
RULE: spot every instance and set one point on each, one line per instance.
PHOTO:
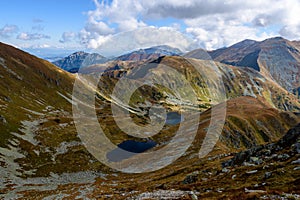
(264, 153)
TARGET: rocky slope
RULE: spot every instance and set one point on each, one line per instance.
(41, 155)
(237, 81)
(276, 58)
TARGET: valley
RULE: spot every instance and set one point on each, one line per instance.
(256, 155)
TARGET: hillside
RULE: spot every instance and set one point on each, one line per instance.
(28, 86)
(237, 81)
(276, 58)
(42, 155)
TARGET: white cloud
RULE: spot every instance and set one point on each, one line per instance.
(8, 30)
(100, 28)
(67, 37)
(258, 21)
(191, 9)
(32, 36)
(116, 26)
(140, 38)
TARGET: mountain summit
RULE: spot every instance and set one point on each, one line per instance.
(75, 61)
(150, 53)
(276, 58)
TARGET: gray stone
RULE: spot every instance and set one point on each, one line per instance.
(225, 170)
(2, 119)
(251, 172)
(254, 159)
(193, 196)
(297, 147)
(191, 178)
(233, 177)
(7, 99)
(297, 168)
(248, 164)
(283, 156)
(296, 161)
(268, 175)
(254, 191)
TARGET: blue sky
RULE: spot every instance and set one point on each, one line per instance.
(50, 27)
(45, 17)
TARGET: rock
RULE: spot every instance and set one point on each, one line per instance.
(283, 156)
(290, 138)
(248, 164)
(254, 191)
(296, 161)
(259, 154)
(251, 172)
(208, 190)
(297, 147)
(220, 190)
(267, 152)
(254, 159)
(225, 170)
(227, 163)
(268, 175)
(7, 99)
(193, 196)
(191, 178)
(3, 120)
(296, 168)
(274, 155)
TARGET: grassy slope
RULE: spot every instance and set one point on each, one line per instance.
(34, 79)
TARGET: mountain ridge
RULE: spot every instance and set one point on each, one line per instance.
(42, 156)
(276, 58)
(80, 59)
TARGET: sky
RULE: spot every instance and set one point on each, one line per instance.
(112, 27)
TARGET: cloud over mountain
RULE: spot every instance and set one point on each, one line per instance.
(210, 24)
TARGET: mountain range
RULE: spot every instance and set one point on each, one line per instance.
(257, 154)
(77, 60)
(276, 58)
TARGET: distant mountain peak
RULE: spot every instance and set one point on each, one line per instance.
(80, 52)
(150, 53)
(76, 60)
(277, 58)
(276, 38)
(244, 43)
